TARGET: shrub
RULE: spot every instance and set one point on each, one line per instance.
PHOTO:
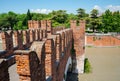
(87, 66)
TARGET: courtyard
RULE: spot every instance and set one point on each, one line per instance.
(105, 63)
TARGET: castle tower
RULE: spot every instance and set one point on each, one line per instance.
(79, 44)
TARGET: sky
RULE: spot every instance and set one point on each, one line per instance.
(46, 6)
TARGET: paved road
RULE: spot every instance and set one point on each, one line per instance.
(1, 46)
(105, 64)
(13, 73)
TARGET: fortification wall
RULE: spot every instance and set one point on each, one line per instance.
(38, 56)
(102, 40)
(79, 44)
(41, 52)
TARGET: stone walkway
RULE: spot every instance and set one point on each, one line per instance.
(13, 73)
(105, 64)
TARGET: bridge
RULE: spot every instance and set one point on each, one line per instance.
(42, 53)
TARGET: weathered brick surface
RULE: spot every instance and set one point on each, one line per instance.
(47, 51)
(78, 44)
(44, 24)
(7, 40)
(50, 59)
(32, 24)
(78, 36)
(4, 75)
(58, 47)
(28, 66)
(18, 39)
(102, 40)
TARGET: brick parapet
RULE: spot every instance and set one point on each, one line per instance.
(17, 40)
(51, 44)
(46, 55)
(28, 66)
(4, 74)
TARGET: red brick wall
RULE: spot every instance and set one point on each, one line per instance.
(46, 55)
(4, 75)
(103, 40)
(78, 36)
(50, 49)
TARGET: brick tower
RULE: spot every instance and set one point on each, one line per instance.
(79, 44)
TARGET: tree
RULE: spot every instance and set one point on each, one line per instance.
(111, 21)
(11, 18)
(29, 17)
(107, 21)
(81, 13)
(94, 20)
(59, 17)
(7, 20)
(94, 13)
(116, 22)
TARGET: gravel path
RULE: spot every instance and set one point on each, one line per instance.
(105, 64)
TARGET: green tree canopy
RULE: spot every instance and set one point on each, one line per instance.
(94, 13)
(81, 13)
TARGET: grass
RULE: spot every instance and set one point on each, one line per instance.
(87, 66)
(89, 46)
(118, 46)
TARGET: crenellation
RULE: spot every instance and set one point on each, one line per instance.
(7, 40)
(18, 35)
(32, 35)
(58, 47)
(49, 27)
(44, 24)
(50, 59)
(43, 51)
(73, 24)
(44, 33)
(26, 38)
(41, 34)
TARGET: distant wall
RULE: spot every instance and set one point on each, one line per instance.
(102, 40)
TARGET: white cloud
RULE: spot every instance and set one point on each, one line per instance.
(110, 7)
(113, 8)
(45, 11)
(99, 9)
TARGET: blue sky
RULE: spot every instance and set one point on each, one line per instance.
(45, 6)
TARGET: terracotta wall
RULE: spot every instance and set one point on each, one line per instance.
(102, 40)
(41, 51)
(78, 36)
